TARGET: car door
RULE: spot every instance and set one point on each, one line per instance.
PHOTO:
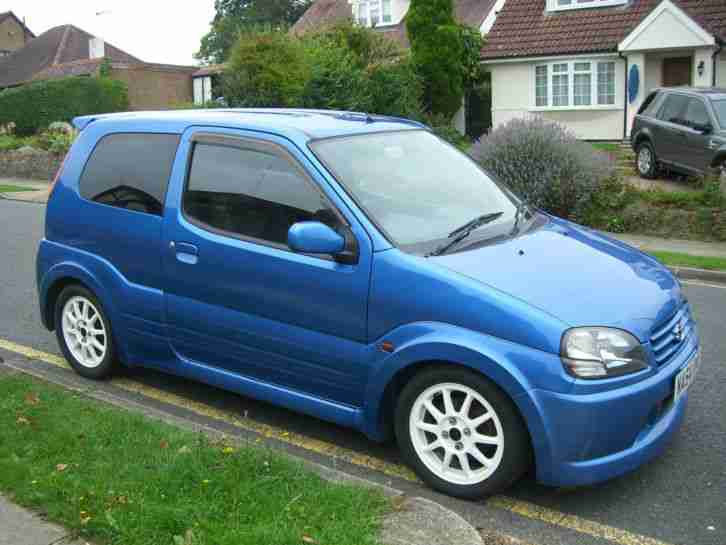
(238, 299)
(670, 130)
(698, 152)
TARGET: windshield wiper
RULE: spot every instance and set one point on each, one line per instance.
(459, 234)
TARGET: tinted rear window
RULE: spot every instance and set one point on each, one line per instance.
(673, 109)
(130, 171)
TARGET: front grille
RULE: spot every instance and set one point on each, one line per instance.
(670, 336)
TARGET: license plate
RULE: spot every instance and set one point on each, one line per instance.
(686, 376)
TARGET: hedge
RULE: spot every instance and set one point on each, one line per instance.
(35, 106)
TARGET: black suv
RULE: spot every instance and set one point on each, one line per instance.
(682, 130)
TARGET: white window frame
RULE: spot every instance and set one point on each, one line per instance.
(202, 89)
(366, 21)
(557, 5)
(571, 72)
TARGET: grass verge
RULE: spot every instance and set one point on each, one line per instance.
(117, 477)
(673, 259)
(13, 188)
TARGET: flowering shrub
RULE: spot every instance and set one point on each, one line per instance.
(545, 164)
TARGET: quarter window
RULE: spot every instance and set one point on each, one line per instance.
(575, 84)
(130, 171)
(251, 191)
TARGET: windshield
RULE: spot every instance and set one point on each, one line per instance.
(415, 187)
(720, 107)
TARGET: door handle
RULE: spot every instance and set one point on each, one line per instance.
(185, 252)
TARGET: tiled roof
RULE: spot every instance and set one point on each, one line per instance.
(58, 46)
(325, 12)
(7, 14)
(524, 28)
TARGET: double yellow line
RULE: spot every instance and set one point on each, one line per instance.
(522, 508)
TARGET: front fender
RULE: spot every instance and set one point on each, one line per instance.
(516, 369)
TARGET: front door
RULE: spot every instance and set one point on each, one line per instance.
(238, 299)
(677, 72)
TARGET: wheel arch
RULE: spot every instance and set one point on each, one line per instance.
(719, 159)
(643, 136)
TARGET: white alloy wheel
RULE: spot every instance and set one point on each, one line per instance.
(84, 332)
(645, 160)
(456, 433)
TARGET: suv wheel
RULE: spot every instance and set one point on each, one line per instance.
(84, 333)
(646, 161)
(460, 433)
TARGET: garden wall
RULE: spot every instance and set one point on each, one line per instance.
(29, 164)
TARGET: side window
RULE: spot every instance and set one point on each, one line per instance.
(252, 192)
(673, 109)
(696, 114)
(130, 171)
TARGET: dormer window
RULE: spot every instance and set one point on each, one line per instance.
(561, 5)
(371, 13)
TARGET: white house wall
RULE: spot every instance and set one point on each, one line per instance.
(512, 92)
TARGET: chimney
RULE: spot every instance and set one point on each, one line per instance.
(96, 48)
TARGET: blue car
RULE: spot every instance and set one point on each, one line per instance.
(358, 269)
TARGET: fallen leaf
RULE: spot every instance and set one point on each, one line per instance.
(308, 539)
(164, 445)
(228, 450)
(85, 517)
(184, 450)
(61, 467)
(31, 398)
(398, 502)
(23, 421)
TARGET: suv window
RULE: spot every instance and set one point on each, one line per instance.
(251, 191)
(673, 109)
(130, 171)
(696, 114)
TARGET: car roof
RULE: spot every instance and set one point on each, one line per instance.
(710, 92)
(310, 124)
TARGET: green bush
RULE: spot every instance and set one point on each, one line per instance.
(35, 106)
(545, 164)
(266, 68)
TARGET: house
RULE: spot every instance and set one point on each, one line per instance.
(67, 50)
(590, 64)
(13, 33)
(388, 16)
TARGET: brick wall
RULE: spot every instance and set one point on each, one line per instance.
(155, 88)
(12, 35)
(29, 164)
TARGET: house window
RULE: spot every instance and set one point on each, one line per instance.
(575, 84)
(371, 13)
(557, 5)
(202, 90)
(542, 86)
(560, 84)
(606, 83)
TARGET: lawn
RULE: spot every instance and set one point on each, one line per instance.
(116, 477)
(684, 260)
(13, 188)
(608, 147)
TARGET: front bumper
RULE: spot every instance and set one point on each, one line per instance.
(594, 437)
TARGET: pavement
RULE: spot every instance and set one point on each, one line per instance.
(678, 499)
(21, 527)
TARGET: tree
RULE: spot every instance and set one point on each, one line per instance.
(233, 16)
(438, 47)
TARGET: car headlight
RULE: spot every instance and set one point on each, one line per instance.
(601, 352)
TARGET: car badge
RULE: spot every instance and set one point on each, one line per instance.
(679, 332)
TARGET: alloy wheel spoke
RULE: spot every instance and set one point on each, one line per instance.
(433, 446)
(448, 404)
(446, 462)
(479, 457)
(479, 420)
(464, 411)
(478, 438)
(433, 411)
(464, 463)
(425, 426)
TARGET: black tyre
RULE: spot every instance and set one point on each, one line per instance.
(645, 160)
(84, 333)
(461, 434)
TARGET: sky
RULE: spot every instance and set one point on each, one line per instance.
(162, 31)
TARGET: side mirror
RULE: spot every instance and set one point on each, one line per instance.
(312, 237)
